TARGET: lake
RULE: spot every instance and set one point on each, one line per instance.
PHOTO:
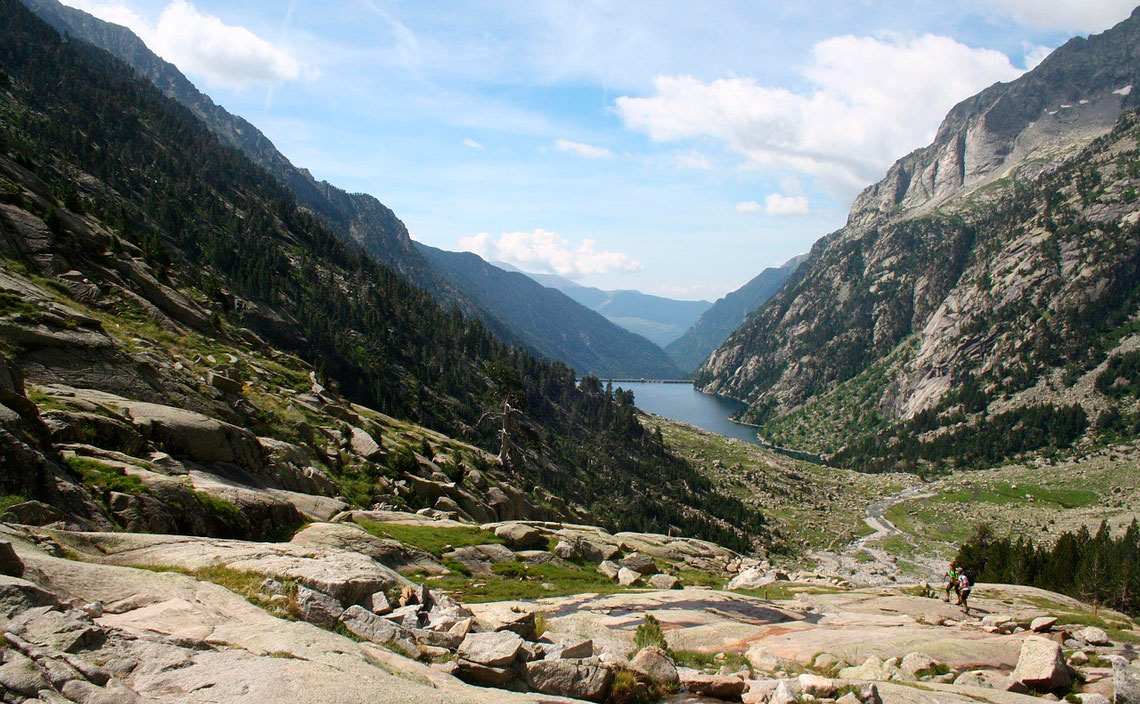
(684, 403)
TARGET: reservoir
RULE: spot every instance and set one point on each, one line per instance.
(684, 403)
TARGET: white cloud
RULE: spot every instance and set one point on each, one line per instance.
(1068, 15)
(777, 204)
(693, 160)
(545, 252)
(468, 142)
(1035, 54)
(203, 45)
(872, 100)
(586, 151)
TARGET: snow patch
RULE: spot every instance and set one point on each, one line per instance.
(1084, 102)
(1123, 91)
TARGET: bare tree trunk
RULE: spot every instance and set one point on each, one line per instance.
(506, 448)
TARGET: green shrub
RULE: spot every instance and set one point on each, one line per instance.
(649, 634)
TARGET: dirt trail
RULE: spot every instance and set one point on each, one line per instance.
(864, 561)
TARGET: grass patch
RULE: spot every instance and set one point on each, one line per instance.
(864, 557)
(517, 580)
(436, 540)
(244, 583)
(104, 477)
(7, 501)
(708, 662)
(217, 506)
(700, 578)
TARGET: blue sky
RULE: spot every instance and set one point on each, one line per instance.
(676, 148)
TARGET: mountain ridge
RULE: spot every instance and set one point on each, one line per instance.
(361, 217)
(918, 301)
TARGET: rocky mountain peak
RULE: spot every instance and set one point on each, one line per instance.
(1015, 129)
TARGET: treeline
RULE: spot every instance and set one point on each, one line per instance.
(1098, 569)
(912, 446)
(207, 218)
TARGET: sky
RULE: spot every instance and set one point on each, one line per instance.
(677, 148)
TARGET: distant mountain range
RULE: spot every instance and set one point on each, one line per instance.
(717, 323)
(550, 322)
(509, 308)
(659, 319)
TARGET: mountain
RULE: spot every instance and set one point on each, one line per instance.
(693, 347)
(657, 318)
(551, 323)
(986, 285)
(185, 347)
(363, 219)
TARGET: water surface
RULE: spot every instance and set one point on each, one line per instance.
(684, 403)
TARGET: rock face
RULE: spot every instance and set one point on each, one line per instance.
(656, 665)
(928, 297)
(1125, 681)
(568, 678)
(491, 649)
(10, 562)
(727, 687)
(1041, 666)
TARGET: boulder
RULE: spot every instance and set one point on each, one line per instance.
(33, 513)
(479, 559)
(816, 686)
(827, 662)
(20, 675)
(848, 698)
(751, 578)
(483, 675)
(363, 444)
(1042, 624)
(596, 552)
(565, 550)
(1092, 698)
(317, 607)
(1125, 681)
(664, 581)
(568, 678)
(519, 536)
(514, 620)
(364, 624)
(1093, 636)
(609, 569)
(378, 603)
(1078, 658)
(981, 678)
(1041, 666)
(727, 687)
(783, 695)
(498, 649)
(656, 665)
(874, 669)
(627, 577)
(915, 663)
(640, 563)
(10, 562)
(577, 649)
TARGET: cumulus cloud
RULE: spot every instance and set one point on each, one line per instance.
(203, 45)
(1035, 54)
(586, 151)
(545, 252)
(871, 100)
(777, 204)
(1083, 16)
(468, 142)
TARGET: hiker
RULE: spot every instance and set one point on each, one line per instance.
(951, 582)
(964, 587)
